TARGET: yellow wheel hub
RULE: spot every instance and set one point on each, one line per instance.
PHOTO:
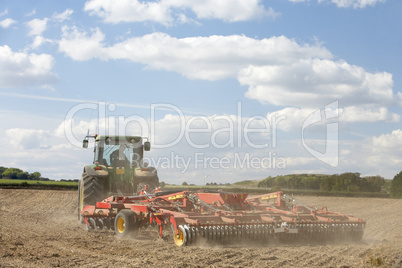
(180, 237)
(121, 225)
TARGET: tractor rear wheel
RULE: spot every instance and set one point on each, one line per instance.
(90, 191)
(125, 224)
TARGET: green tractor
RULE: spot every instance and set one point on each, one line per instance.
(117, 169)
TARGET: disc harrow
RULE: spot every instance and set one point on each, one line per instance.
(219, 217)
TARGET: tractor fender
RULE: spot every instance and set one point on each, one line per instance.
(149, 172)
(102, 173)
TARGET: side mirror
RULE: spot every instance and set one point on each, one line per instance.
(85, 144)
(147, 146)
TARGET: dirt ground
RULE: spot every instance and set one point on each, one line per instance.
(38, 228)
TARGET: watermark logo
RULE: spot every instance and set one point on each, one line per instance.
(242, 142)
(331, 154)
(199, 132)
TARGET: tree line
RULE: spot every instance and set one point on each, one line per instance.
(346, 182)
(19, 174)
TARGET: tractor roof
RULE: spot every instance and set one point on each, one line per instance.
(113, 137)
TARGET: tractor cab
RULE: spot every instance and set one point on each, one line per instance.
(117, 169)
(117, 151)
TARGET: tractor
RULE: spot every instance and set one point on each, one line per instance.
(117, 169)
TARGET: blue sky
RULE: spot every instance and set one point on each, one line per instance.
(226, 90)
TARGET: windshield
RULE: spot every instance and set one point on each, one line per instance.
(119, 153)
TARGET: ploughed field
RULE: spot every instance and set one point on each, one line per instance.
(39, 228)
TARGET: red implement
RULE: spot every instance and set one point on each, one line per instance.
(220, 216)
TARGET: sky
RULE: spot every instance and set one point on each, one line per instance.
(224, 90)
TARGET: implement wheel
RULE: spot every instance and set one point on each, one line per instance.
(180, 238)
(125, 225)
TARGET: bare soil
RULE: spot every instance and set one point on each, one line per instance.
(39, 228)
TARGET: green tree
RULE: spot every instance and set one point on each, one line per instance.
(267, 182)
(12, 173)
(2, 169)
(328, 183)
(23, 176)
(396, 186)
(280, 182)
(184, 183)
(372, 184)
(311, 182)
(36, 176)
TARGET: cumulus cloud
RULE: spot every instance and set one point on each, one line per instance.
(230, 11)
(277, 70)
(163, 11)
(314, 81)
(37, 26)
(375, 155)
(390, 143)
(360, 114)
(80, 46)
(210, 58)
(18, 69)
(356, 3)
(347, 3)
(27, 138)
(292, 118)
(7, 23)
(63, 16)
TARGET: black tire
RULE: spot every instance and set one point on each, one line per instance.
(125, 224)
(90, 191)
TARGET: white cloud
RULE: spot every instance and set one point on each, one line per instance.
(378, 155)
(359, 114)
(19, 69)
(37, 26)
(347, 3)
(390, 144)
(292, 118)
(7, 23)
(230, 11)
(315, 82)
(163, 11)
(27, 138)
(38, 41)
(277, 70)
(79, 46)
(63, 16)
(210, 58)
(356, 3)
(129, 11)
